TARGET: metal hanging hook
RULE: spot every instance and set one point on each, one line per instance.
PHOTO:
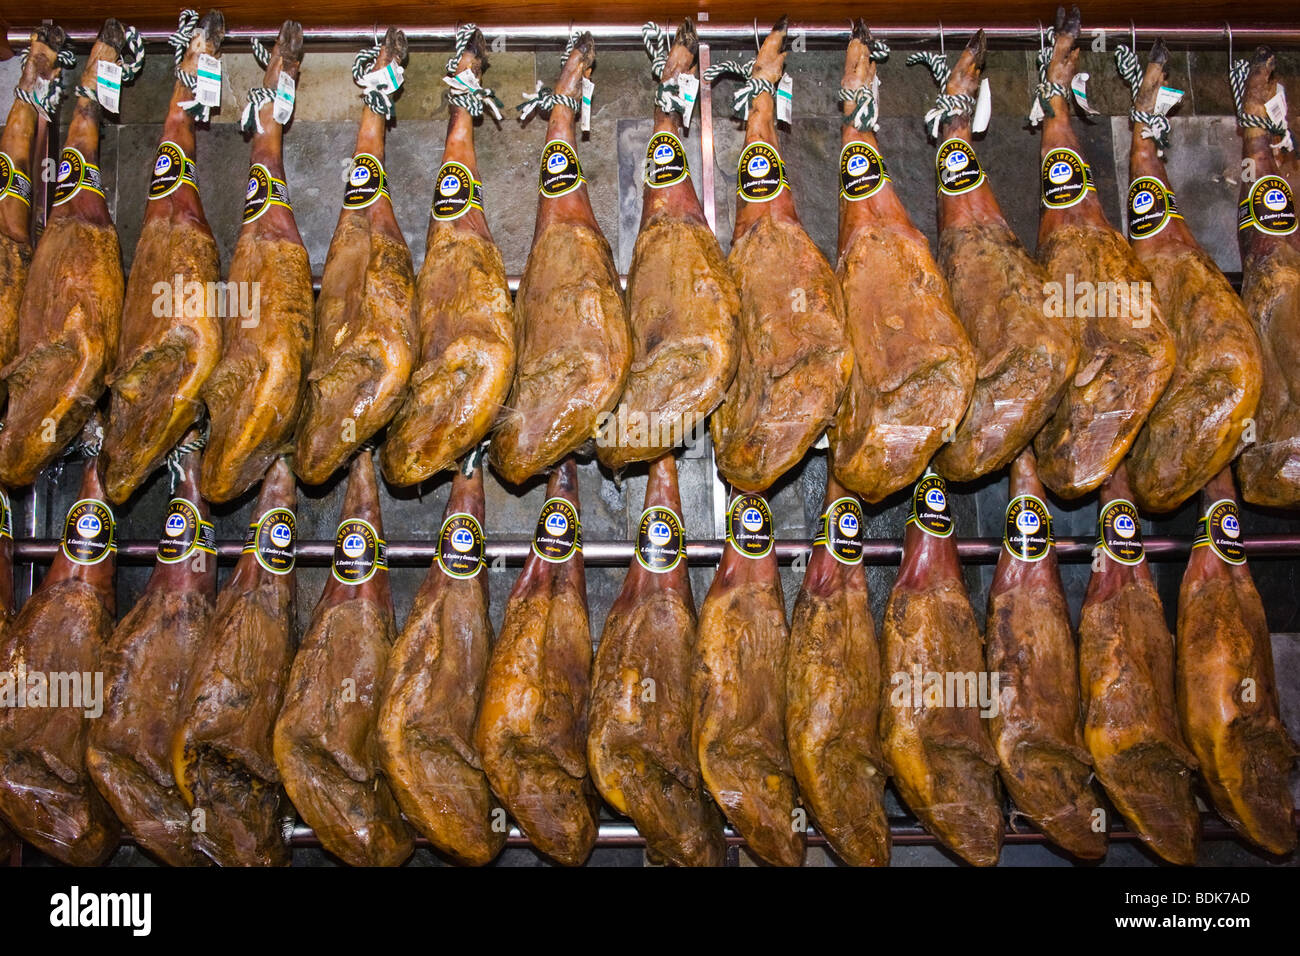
(1132, 36)
(1042, 41)
(942, 52)
(758, 44)
(1227, 28)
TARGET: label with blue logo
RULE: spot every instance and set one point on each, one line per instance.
(74, 174)
(560, 172)
(263, 192)
(1151, 205)
(171, 169)
(665, 161)
(862, 172)
(460, 546)
(930, 510)
(959, 170)
(1220, 531)
(749, 526)
(660, 541)
(366, 182)
(271, 540)
(1270, 207)
(760, 174)
(457, 192)
(559, 533)
(359, 552)
(90, 533)
(1120, 532)
(13, 181)
(1028, 532)
(841, 530)
(1066, 179)
(184, 532)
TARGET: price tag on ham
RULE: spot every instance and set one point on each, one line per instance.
(285, 93)
(983, 108)
(689, 86)
(588, 88)
(207, 86)
(785, 98)
(108, 85)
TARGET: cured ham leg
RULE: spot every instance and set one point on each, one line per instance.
(1126, 352)
(571, 326)
(1037, 731)
(682, 301)
(1269, 470)
(146, 666)
(739, 689)
(72, 303)
(833, 687)
(1126, 673)
(163, 360)
(366, 336)
(221, 753)
(1023, 362)
(913, 366)
(430, 695)
(46, 795)
(938, 745)
(1227, 695)
(795, 358)
(325, 740)
(7, 840)
(462, 303)
(1195, 429)
(532, 722)
(17, 142)
(256, 391)
(639, 743)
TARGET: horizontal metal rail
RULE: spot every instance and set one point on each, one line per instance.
(815, 35)
(703, 553)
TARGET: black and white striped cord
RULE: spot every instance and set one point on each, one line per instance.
(1237, 74)
(946, 105)
(467, 91)
(48, 104)
(1130, 71)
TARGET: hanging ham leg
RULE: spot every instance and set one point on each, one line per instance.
(532, 723)
(1195, 429)
(739, 691)
(572, 334)
(46, 795)
(639, 746)
(163, 360)
(938, 745)
(466, 317)
(430, 696)
(72, 304)
(795, 357)
(1126, 351)
(1269, 471)
(1227, 695)
(366, 336)
(1037, 731)
(325, 741)
(913, 366)
(256, 391)
(833, 689)
(1126, 673)
(682, 302)
(7, 840)
(1023, 360)
(17, 141)
(221, 753)
(146, 665)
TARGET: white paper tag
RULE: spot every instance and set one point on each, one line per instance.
(983, 108)
(1080, 87)
(1276, 107)
(689, 85)
(387, 79)
(588, 88)
(285, 91)
(108, 85)
(1036, 113)
(207, 88)
(1167, 98)
(785, 98)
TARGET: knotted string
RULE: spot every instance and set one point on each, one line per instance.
(65, 59)
(378, 93)
(130, 58)
(1046, 90)
(1237, 74)
(1130, 72)
(744, 97)
(866, 113)
(173, 459)
(180, 44)
(544, 98)
(470, 98)
(946, 105)
(258, 96)
(669, 96)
